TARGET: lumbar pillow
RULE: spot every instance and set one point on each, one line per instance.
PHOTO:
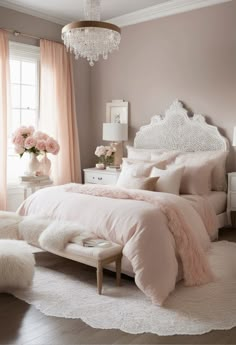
(16, 265)
(133, 182)
(169, 180)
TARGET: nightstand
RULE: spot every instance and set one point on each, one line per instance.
(34, 185)
(96, 176)
(231, 198)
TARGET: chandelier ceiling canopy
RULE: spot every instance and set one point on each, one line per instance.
(91, 37)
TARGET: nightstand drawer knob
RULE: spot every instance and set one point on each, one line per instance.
(100, 178)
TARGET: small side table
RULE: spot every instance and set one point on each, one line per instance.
(34, 184)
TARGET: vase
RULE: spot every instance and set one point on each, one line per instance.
(45, 165)
(33, 164)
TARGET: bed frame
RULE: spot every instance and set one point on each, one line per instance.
(178, 131)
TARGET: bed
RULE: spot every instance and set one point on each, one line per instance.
(165, 236)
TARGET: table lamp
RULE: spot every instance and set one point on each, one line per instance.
(116, 133)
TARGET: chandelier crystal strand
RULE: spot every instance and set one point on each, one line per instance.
(91, 38)
(92, 10)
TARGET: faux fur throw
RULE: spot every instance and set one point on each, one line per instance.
(195, 264)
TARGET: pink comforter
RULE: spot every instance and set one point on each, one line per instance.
(156, 229)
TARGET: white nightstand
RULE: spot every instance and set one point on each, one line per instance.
(34, 185)
(96, 176)
(231, 197)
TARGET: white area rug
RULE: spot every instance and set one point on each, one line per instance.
(71, 293)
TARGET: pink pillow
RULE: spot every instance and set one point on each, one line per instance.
(197, 176)
(218, 158)
(168, 156)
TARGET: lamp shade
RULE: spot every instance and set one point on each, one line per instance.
(115, 131)
(234, 137)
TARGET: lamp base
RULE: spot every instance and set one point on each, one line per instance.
(118, 153)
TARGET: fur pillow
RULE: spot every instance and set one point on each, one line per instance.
(16, 265)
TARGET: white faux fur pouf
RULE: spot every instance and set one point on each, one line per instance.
(16, 265)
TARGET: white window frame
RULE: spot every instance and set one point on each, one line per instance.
(29, 53)
(26, 53)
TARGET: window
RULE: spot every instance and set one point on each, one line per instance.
(24, 79)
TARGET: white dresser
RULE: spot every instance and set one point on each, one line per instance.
(231, 198)
(96, 176)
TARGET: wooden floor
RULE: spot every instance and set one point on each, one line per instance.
(22, 324)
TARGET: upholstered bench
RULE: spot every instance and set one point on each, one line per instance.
(96, 257)
(16, 265)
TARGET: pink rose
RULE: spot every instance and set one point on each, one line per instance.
(41, 145)
(19, 149)
(41, 135)
(29, 142)
(100, 151)
(18, 140)
(26, 131)
(52, 146)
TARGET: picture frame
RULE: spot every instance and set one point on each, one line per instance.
(117, 111)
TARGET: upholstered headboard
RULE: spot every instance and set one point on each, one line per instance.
(177, 131)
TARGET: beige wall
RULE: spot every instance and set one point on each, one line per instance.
(190, 56)
(10, 19)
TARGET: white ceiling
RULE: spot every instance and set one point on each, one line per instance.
(71, 10)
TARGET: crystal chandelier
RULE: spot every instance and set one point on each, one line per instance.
(91, 37)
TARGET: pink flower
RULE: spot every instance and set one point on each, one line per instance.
(30, 142)
(41, 145)
(18, 140)
(19, 149)
(100, 151)
(52, 146)
(41, 135)
(26, 131)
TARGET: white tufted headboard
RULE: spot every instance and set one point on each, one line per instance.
(177, 131)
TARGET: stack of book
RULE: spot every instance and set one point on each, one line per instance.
(35, 179)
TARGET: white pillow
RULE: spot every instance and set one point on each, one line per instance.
(138, 168)
(169, 180)
(141, 154)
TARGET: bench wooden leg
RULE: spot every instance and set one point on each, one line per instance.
(118, 270)
(99, 277)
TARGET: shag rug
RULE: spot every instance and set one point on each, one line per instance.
(69, 291)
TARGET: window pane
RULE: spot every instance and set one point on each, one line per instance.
(15, 119)
(15, 71)
(15, 96)
(28, 73)
(28, 97)
(28, 118)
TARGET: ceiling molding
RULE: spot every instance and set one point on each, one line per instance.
(162, 10)
(32, 12)
(158, 11)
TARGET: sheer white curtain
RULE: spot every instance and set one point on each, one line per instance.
(4, 108)
(57, 110)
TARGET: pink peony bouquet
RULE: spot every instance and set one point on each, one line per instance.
(105, 154)
(26, 139)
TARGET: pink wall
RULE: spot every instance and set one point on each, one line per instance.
(190, 56)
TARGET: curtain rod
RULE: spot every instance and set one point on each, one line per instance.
(18, 33)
